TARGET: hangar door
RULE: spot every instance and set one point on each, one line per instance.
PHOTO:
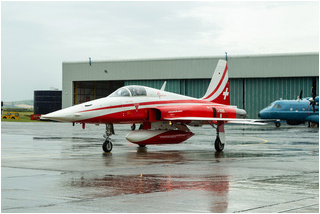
(84, 91)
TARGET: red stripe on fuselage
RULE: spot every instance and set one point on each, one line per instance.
(118, 118)
(176, 111)
(153, 103)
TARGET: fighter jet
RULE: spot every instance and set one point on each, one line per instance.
(164, 116)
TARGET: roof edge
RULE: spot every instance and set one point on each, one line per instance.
(196, 57)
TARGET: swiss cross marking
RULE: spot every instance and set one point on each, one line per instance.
(225, 94)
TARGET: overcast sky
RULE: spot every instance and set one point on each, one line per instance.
(36, 37)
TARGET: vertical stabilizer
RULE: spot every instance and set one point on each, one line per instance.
(218, 90)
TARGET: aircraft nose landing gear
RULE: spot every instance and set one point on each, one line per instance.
(107, 145)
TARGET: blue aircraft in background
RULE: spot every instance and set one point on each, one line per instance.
(294, 112)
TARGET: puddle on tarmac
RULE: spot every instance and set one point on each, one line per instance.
(114, 185)
(69, 139)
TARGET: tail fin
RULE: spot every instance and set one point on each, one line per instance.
(218, 90)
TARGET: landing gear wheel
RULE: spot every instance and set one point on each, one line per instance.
(278, 124)
(142, 146)
(107, 146)
(218, 145)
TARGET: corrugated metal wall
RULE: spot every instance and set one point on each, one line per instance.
(193, 88)
(259, 93)
(236, 92)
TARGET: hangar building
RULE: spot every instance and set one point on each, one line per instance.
(255, 80)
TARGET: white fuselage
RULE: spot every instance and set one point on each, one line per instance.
(119, 105)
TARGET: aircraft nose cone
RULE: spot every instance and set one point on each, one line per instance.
(61, 115)
(263, 114)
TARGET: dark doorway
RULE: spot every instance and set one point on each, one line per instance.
(84, 91)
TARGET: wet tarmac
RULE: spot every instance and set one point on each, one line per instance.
(55, 167)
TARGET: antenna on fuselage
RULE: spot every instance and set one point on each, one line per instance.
(163, 86)
(300, 96)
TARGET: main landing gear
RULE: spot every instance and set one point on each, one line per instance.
(218, 145)
(107, 145)
(220, 137)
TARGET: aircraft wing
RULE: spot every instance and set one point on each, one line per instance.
(200, 112)
(229, 120)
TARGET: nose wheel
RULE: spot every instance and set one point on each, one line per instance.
(107, 146)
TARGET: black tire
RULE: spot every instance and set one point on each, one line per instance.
(278, 124)
(133, 127)
(107, 146)
(218, 145)
(142, 145)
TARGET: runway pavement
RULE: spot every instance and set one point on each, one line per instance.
(55, 167)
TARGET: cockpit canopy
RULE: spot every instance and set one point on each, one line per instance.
(129, 91)
(275, 105)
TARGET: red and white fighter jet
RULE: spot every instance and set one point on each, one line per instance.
(163, 116)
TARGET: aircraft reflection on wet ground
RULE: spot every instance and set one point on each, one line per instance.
(116, 185)
(62, 169)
